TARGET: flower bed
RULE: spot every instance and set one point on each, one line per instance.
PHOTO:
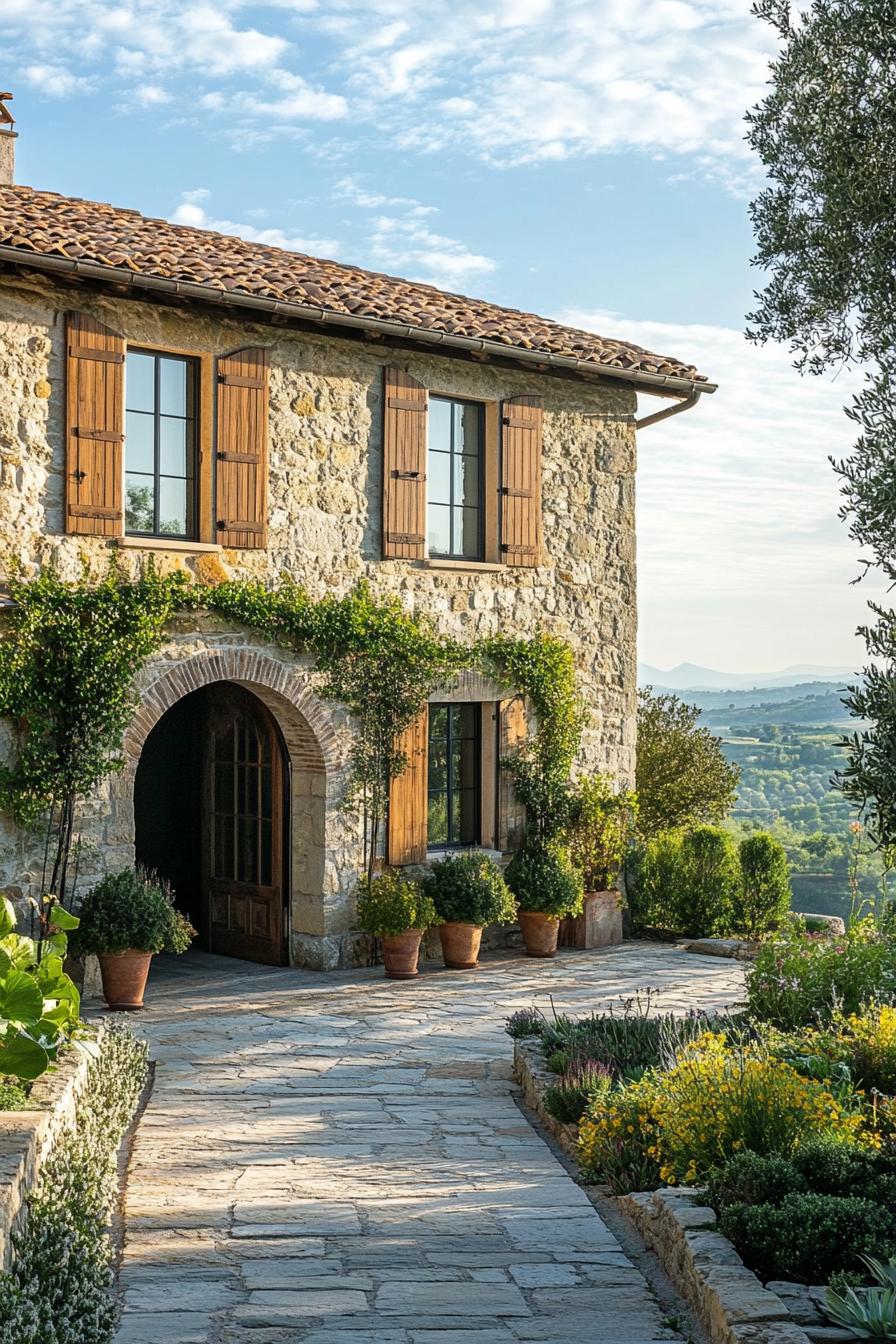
(785, 1114)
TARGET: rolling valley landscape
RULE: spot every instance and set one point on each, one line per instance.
(783, 730)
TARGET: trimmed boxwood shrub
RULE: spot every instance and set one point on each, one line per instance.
(390, 904)
(544, 881)
(763, 896)
(809, 1237)
(131, 910)
(60, 1289)
(469, 889)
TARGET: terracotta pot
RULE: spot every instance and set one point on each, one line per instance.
(400, 954)
(124, 977)
(460, 945)
(539, 933)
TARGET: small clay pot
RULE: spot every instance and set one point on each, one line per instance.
(460, 945)
(401, 952)
(124, 977)
(539, 933)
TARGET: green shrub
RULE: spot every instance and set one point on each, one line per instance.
(61, 1287)
(831, 1168)
(584, 1079)
(753, 1178)
(688, 882)
(132, 910)
(12, 1096)
(796, 981)
(469, 889)
(599, 831)
(762, 899)
(557, 1061)
(391, 904)
(655, 900)
(808, 1237)
(545, 881)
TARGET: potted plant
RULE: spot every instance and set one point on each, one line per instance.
(126, 918)
(598, 836)
(393, 908)
(468, 892)
(547, 887)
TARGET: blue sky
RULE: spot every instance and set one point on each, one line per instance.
(582, 158)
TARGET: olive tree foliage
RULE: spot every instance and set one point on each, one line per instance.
(682, 776)
(826, 233)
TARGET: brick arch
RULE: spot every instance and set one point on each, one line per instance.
(305, 723)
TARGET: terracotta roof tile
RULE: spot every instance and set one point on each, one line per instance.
(46, 224)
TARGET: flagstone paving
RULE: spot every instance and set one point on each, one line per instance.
(334, 1160)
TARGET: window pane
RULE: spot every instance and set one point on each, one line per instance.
(173, 447)
(173, 386)
(467, 720)
(465, 532)
(172, 507)
(466, 481)
(224, 786)
(467, 428)
(437, 822)
(438, 472)
(438, 721)
(139, 442)
(140, 388)
(466, 819)
(139, 508)
(440, 423)
(439, 529)
(438, 764)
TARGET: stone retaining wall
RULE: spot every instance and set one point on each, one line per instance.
(27, 1137)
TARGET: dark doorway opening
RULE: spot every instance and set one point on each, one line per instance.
(209, 813)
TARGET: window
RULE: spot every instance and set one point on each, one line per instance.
(454, 476)
(160, 445)
(455, 775)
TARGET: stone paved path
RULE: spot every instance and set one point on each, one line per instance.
(335, 1161)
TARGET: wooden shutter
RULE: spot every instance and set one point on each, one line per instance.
(94, 419)
(408, 797)
(241, 463)
(521, 427)
(404, 466)
(512, 733)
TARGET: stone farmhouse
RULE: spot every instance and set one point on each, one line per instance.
(233, 409)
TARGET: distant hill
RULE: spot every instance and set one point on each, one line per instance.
(691, 677)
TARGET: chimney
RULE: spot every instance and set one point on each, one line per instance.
(7, 143)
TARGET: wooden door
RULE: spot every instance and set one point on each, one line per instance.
(243, 809)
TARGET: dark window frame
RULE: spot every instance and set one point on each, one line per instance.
(449, 789)
(453, 508)
(193, 365)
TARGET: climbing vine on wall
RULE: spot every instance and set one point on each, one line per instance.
(71, 653)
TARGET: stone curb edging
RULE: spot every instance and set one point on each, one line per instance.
(534, 1077)
(27, 1137)
(728, 1299)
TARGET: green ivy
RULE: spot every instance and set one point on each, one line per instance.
(72, 651)
(60, 1288)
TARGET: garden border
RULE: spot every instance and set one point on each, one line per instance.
(728, 1299)
(27, 1137)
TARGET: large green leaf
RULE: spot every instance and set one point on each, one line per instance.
(7, 916)
(22, 1057)
(21, 999)
(63, 919)
(20, 950)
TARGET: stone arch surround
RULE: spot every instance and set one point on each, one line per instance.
(325, 847)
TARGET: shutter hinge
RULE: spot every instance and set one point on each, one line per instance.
(519, 550)
(517, 494)
(406, 538)
(408, 476)
(238, 525)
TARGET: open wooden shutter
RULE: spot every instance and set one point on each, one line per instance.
(404, 466)
(521, 426)
(94, 421)
(512, 733)
(241, 490)
(408, 797)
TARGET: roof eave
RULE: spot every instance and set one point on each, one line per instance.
(656, 384)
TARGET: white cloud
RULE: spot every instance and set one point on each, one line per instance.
(407, 247)
(54, 81)
(742, 559)
(190, 212)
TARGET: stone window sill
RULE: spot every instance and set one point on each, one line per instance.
(163, 544)
(463, 566)
(452, 851)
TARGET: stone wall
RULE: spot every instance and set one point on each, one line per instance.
(325, 490)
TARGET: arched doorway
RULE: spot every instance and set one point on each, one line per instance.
(209, 813)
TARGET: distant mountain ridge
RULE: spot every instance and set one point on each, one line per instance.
(691, 677)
